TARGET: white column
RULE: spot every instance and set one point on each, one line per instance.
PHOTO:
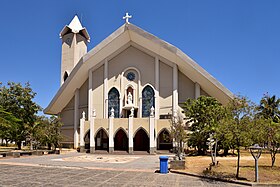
(155, 143)
(91, 122)
(134, 97)
(76, 119)
(152, 134)
(92, 131)
(89, 94)
(175, 89)
(196, 90)
(130, 134)
(82, 132)
(105, 112)
(121, 94)
(125, 97)
(140, 98)
(157, 88)
(111, 138)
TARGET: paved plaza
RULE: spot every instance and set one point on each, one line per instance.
(76, 169)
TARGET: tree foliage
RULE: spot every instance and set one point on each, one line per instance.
(269, 108)
(237, 125)
(270, 125)
(203, 114)
(48, 131)
(17, 100)
(178, 132)
(7, 122)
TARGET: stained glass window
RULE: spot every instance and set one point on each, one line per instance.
(130, 76)
(148, 100)
(114, 102)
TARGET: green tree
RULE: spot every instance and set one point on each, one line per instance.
(272, 131)
(269, 107)
(178, 132)
(270, 124)
(237, 125)
(18, 100)
(204, 115)
(36, 132)
(7, 120)
(48, 131)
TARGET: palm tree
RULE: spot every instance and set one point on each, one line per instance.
(269, 108)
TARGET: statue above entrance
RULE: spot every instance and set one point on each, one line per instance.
(129, 99)
(130, 107)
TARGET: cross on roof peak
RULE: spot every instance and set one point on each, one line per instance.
(127, 17)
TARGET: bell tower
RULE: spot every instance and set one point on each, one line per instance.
(74, 45)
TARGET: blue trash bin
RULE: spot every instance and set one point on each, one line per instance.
(163, 164)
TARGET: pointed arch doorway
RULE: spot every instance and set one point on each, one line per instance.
(87, 140)
(164, 141)
(121, 141)
(141, 141)
(101, 140)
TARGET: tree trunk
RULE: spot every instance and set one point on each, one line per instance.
(273, 152)
(180, 150)
(212, 156)
(225, 151)
(199, 150)
(31, 144)
(49, 146)
(19, 145)
(215, 156)
(238, 162)
(204, 151)
(6, 141)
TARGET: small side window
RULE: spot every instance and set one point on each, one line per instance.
(65, 76)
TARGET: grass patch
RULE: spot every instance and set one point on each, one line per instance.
(227, 167)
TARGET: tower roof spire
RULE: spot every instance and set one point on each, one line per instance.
(75, 26)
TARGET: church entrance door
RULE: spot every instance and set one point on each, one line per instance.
(164, 141)
(101, 140)
(86, 139)
(141, 141)
(121, 141)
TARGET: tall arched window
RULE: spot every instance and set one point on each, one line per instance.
(148, 100)
(114, 102)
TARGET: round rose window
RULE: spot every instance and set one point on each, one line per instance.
(130, 76)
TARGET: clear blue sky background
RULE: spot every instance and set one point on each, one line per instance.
(236, 41)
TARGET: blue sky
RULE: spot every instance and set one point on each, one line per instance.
(236, 41)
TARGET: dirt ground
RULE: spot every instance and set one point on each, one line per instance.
(227, 167)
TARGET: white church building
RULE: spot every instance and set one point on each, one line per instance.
(120, 94)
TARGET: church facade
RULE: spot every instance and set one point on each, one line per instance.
(120, 95)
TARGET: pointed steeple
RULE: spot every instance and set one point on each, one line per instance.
(75, 39)
(75, 26)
